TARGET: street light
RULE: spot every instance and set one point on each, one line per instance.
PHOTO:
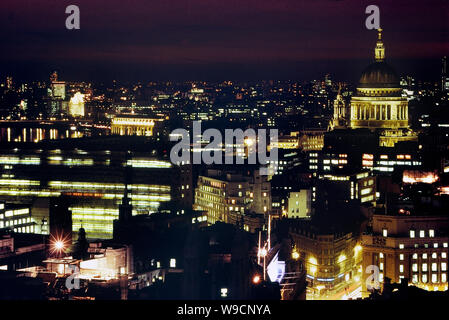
(58, 244)
(313, 268)
(295, 255)
(256, 279)
(263, 253)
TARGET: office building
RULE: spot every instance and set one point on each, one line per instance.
(408, 247)
(228, 196)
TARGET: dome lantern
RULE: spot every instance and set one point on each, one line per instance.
(379, 51)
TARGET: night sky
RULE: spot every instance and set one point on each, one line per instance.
(218, 39)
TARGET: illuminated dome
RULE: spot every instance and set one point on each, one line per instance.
(378, 104)
(379, 75)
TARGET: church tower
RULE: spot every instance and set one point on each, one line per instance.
(339, 119)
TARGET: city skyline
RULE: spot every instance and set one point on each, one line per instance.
(143, 158)
(251, 40)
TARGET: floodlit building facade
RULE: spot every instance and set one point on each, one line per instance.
(227, 196)
(133, 124)
(330, 259)
(407, 247)
(299, 204)
(17, 218)
(93, 181)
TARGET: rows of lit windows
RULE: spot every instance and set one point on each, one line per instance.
(15, 222)
(426, 245)
(425, 255)
(19, 182)
(434, 279)
(27, 229)
(146, 195)
(242, 209)
(422, 233)
(100, 185)
(413, 233)
(17, 160)
(98, 222)
(17, 219)
(143, 163)
(199, 219)
(424, 269)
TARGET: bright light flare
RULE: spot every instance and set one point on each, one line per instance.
(313, 260)
(249, 142)
(312, 267)
(341, 258)
(295, 255)
(256, 279)
(59, 243)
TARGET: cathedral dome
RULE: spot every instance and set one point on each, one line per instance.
(379, 75)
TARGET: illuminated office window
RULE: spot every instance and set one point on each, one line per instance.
(434, 278)
(224, 292)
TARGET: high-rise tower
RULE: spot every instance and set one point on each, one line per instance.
(444, 75)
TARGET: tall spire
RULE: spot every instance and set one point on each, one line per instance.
(379, 51)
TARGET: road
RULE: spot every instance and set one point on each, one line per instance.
(354, 292)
